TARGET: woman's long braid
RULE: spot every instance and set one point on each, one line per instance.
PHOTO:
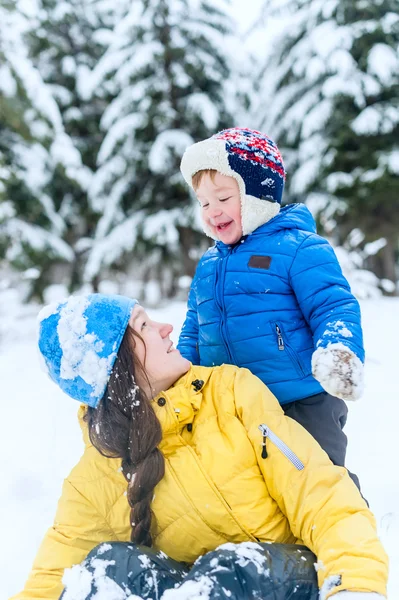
(124, 425)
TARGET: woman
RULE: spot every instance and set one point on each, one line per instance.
(182, 459)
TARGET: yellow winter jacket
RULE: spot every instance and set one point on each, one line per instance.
(218, 488)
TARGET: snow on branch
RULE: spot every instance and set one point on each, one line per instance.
(171, 141)
(109, 249)
(20, 232)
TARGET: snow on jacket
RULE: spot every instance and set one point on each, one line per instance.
(267, 302)
(218, 488)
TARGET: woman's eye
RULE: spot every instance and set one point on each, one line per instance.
(144, 324)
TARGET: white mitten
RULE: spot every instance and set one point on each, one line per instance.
(339, 371)
(347, 595)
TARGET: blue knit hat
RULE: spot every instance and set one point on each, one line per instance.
(79, 340)
(253, 160)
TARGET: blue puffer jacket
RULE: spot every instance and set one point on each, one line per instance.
(267, 302)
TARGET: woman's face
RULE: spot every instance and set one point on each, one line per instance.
(163, 363)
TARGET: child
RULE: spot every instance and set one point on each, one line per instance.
(270, 295)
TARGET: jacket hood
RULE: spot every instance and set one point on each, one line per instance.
(184, 398)
(83, 425)
(291, 216)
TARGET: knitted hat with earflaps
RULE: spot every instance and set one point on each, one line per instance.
(79, 340)
(254, 161)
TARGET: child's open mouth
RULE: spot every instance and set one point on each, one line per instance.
(223, 226)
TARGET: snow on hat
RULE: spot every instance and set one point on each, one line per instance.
(79, 339)
(254, 161)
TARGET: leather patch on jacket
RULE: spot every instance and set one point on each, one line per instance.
(260, 262)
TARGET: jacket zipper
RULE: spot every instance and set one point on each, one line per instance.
(220, 303)
(280, 340)
(282, 345)
(282, 446)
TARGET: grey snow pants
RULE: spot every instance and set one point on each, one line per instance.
(324, 417)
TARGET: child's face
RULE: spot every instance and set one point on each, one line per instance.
(221, 207)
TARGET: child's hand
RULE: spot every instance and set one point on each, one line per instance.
(339, 371)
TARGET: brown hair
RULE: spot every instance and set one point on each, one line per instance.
(124, 425)
(197, 177)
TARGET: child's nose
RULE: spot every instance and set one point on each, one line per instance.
(215, 211)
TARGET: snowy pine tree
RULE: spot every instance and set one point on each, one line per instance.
(330, 96)
(167, 68)
(65, 46)
(30, 227)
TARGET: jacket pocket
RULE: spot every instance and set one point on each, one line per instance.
(282, 446)
(284, 346)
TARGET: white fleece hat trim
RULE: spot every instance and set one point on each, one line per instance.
(212, 154)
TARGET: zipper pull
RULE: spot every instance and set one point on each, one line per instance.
(264, 434)
(282, 446)
(264, 451)
(280, 340)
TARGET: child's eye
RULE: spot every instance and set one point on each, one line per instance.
(224, 199)
(144, 324)
(205, 205)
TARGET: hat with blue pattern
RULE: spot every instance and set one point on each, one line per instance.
(253, 160)
(79, 339)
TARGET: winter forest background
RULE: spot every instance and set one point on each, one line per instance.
(99, 98)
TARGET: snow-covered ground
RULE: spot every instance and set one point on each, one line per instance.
(40, 438)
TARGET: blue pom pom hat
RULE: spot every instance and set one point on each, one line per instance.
(254, 161)
(79, 339)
